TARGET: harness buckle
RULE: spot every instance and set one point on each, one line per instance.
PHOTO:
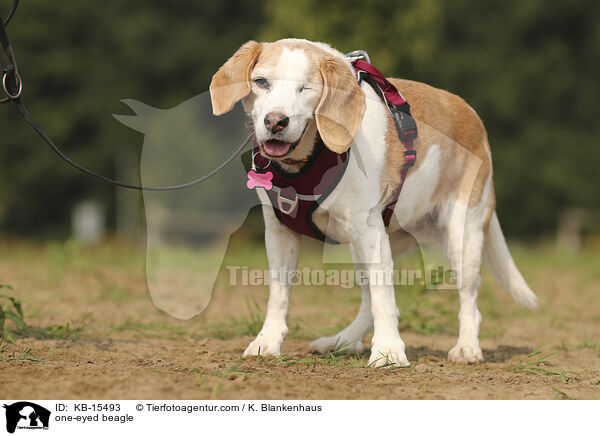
(410, 156)
(291, 202)
(405, 124)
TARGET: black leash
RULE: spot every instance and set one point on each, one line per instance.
(13, 86)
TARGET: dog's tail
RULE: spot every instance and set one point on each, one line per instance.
(500, 262)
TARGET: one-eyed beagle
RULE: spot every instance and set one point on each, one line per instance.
(300, 94)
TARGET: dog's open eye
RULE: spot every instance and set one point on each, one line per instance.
(263, 83)
(303, 88)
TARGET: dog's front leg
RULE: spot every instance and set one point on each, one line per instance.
(283, 247)
(373, 250)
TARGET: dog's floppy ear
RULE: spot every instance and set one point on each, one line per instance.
(342, 106)
(232, 82)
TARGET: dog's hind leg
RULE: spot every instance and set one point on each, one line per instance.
(464, 247)
(349, 339)
(283, 248)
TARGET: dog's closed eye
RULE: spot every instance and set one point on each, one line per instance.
(263, 83)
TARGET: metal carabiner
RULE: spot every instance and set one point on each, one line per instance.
(358, 54)
(18, 82)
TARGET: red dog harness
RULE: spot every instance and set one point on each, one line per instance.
(295, 196)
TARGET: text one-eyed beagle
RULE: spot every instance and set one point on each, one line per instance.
(304, 96)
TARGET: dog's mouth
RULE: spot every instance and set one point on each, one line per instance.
(279, 149)
(275, 148)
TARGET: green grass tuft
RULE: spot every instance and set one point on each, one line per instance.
(560, 395)
(531, 364)
(151, 329)
(244, 326)
(11, 312)
(14, 312)
(590, 344)
(24, 355)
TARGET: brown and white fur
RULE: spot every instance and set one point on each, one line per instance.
(447, 195)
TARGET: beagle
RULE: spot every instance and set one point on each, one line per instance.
(297, 91)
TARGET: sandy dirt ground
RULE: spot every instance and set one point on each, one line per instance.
(94, 333)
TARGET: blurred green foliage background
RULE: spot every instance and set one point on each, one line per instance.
(530, 68)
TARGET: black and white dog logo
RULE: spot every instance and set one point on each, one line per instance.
(26, 415)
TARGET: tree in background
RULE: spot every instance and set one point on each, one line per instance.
(530, 69)
(78, 59)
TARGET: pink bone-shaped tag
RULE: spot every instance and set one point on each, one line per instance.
(259, 180)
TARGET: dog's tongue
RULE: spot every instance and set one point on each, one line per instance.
(276, 148)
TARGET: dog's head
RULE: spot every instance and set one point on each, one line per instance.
(292, 89)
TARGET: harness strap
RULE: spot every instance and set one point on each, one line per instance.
(295, 196)
(392, 95)
(406, 126)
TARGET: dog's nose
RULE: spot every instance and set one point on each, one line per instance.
(276, 121)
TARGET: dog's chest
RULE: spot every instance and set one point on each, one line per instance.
(360, 196)
(343, 215)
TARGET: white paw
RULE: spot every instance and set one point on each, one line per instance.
(388, 354)
(464, 352)
(265, 345)
(330, 343)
